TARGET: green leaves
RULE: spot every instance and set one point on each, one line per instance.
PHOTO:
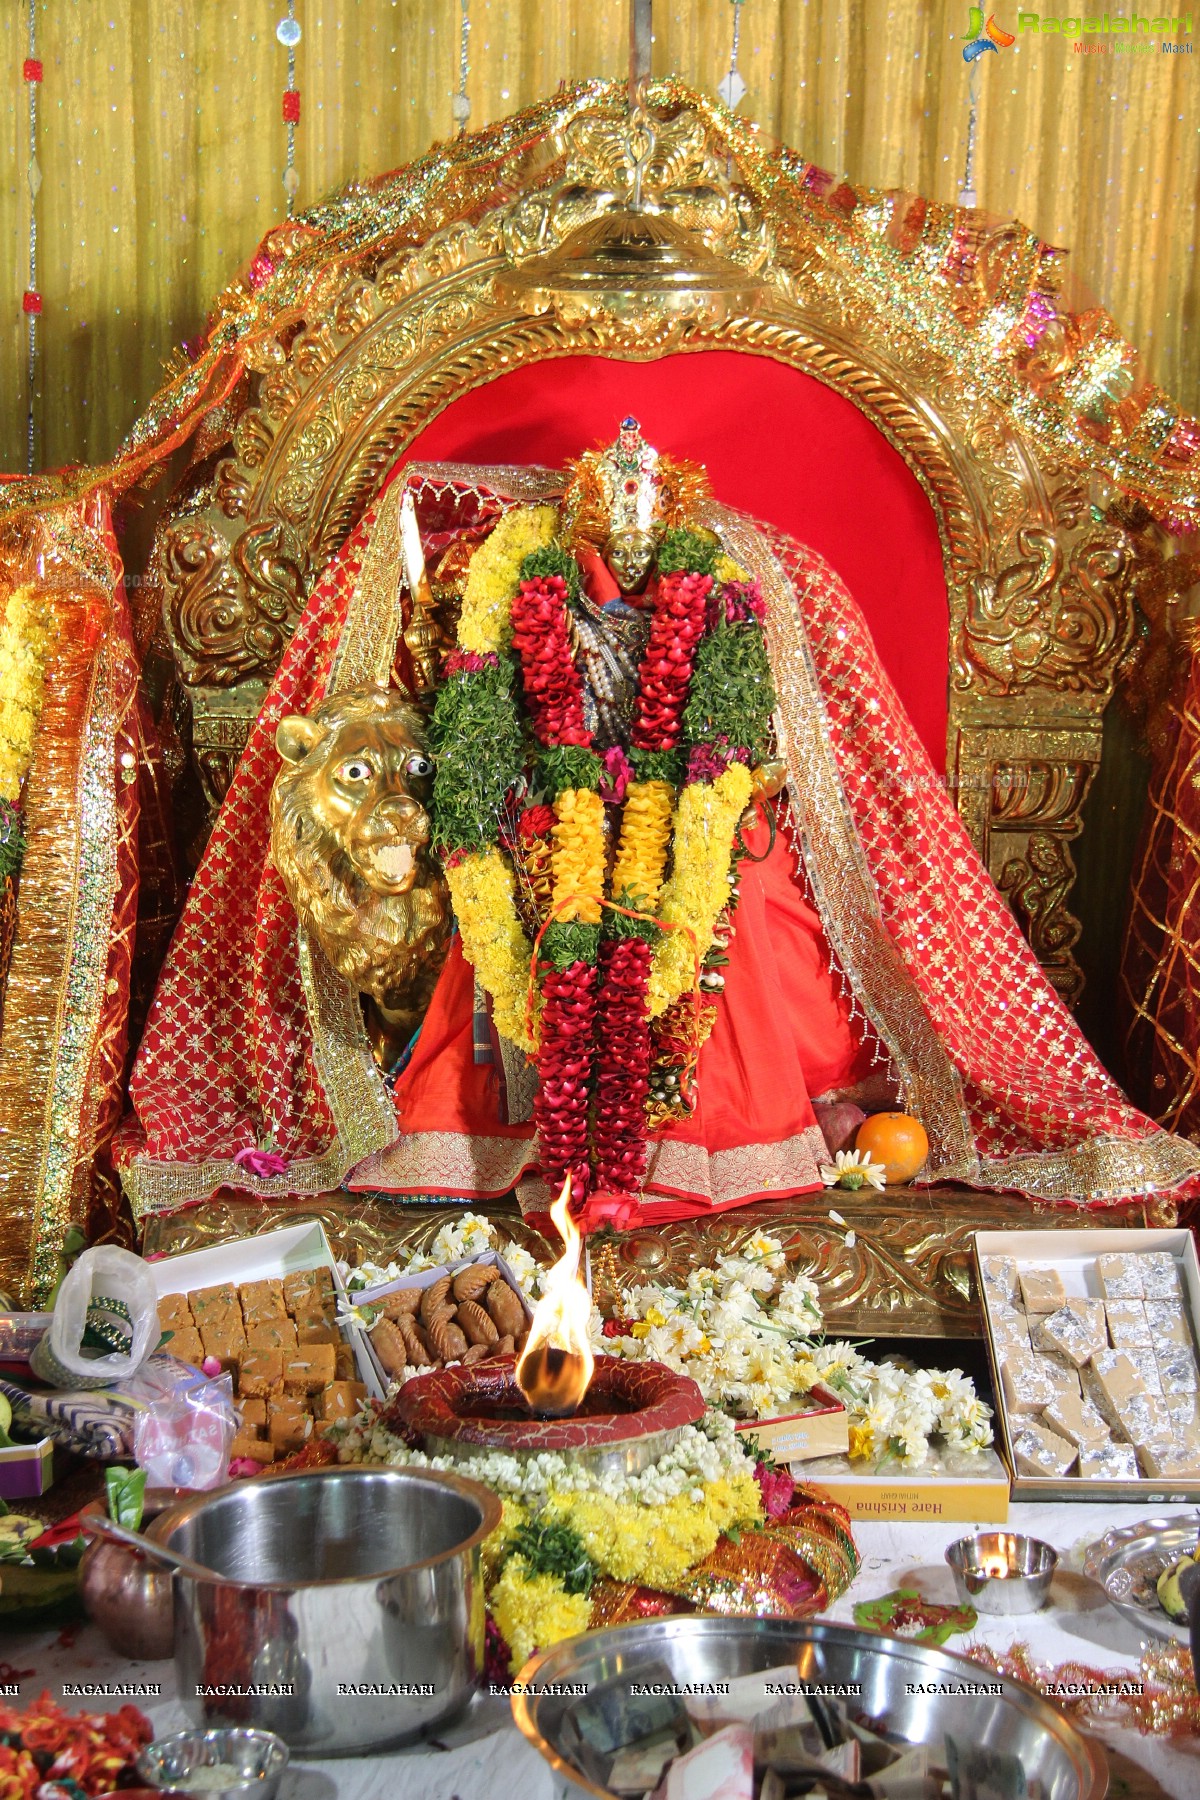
(567, 941)
(551, 1548)
(126, 1496)
(694, 552)
(568, 766)
(732, 693)
(551, 560)
(476, 739)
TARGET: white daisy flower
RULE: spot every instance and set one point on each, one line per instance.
(853, 1169)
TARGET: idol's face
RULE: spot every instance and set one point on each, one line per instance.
(629, 555)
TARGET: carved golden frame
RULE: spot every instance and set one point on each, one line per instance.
(1040, 590)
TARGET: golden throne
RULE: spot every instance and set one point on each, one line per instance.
(506, 299)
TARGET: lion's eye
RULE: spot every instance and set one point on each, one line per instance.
(420, 765)
(355, 770)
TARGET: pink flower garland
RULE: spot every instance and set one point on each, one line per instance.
(564, 1074)
(680, 610)
(623, 1083)
(553, 689)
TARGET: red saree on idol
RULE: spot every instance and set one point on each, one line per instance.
(869, 941)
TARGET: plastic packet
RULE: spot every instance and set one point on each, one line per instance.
(185, 1425)
(111, 1294)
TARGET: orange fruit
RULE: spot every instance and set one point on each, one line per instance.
(896, 1140)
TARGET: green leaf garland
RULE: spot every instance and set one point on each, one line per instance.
(479, 748)
(732, 694)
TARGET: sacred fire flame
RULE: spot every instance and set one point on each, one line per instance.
(556, 1364)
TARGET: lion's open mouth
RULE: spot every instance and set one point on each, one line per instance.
(395, 862)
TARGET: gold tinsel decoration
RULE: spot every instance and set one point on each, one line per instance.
(1160, 1701)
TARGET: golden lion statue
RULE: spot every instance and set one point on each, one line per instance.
(350, 837)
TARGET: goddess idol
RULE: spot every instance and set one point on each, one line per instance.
(700, 874)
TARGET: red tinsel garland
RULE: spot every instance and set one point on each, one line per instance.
(680, 611)
(565, 1068)
(623, 1083)
(541, 638)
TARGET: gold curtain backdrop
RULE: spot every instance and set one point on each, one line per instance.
(161, 147)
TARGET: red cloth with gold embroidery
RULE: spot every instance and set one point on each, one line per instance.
(1009, 1089)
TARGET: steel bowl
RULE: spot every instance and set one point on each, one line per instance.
(911, 1693)
(346, 1609)
(259, 1758)
(1028, 1564)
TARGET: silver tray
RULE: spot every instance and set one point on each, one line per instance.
(1127, 1562)
(1068, 1765)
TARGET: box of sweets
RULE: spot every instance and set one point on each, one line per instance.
(953, 1487)
(272, 1310)
(385, 1291)
(821, 1428)
(1092, 1338)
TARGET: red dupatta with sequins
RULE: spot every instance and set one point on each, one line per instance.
(254, 1070)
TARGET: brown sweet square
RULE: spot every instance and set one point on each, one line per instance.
(317, 1332)
(305, 1284)
(1042, 1290)
(310, 1370)
(249, 1444)
(289, 1424)
(261, 1301)
(186, 1346)
(224, 1340)
(254, 1412)
(315, 1309)
(261, 1373)
(272, 1334)
(344, 1364)
(174, 1313)
(221, 1298)
(341, 1399)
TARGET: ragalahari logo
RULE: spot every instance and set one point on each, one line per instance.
(985, 37)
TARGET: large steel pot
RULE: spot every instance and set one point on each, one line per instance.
(350, 1616)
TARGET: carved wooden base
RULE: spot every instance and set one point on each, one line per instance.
(898, 1267)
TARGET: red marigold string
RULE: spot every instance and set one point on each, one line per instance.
(565, 1067)
(680, 611)
(542, 640)
(623, 1082)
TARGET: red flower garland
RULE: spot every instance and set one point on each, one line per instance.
(565, 1069)
(680, 612)
(623, 1083)
(553, 688)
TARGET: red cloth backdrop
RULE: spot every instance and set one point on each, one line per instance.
(777, 444)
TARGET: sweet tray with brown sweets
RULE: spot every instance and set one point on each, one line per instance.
(279, 1340)
(467, 1315)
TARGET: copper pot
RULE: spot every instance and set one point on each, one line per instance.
(128, 1598)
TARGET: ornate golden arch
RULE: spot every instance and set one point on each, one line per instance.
(1040, 579)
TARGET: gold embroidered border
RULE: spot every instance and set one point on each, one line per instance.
(447, 1161)
(55, 991)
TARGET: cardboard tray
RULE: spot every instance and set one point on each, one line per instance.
(424, 1278)
(823, 1429)
(271, 1255)
(1073, 1254)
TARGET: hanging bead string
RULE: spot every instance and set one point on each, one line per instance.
(31, 303)
(460, 106)
(966, 193)
(733, 87)
(289, 34)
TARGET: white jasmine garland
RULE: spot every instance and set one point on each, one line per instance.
(704, 1453)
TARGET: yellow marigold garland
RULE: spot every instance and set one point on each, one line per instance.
(645, 838)
(578, 856)
(629, 1541)
(535, 1611)
(25, 639)
(483, 889)
(494, 574)
(705, 821)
